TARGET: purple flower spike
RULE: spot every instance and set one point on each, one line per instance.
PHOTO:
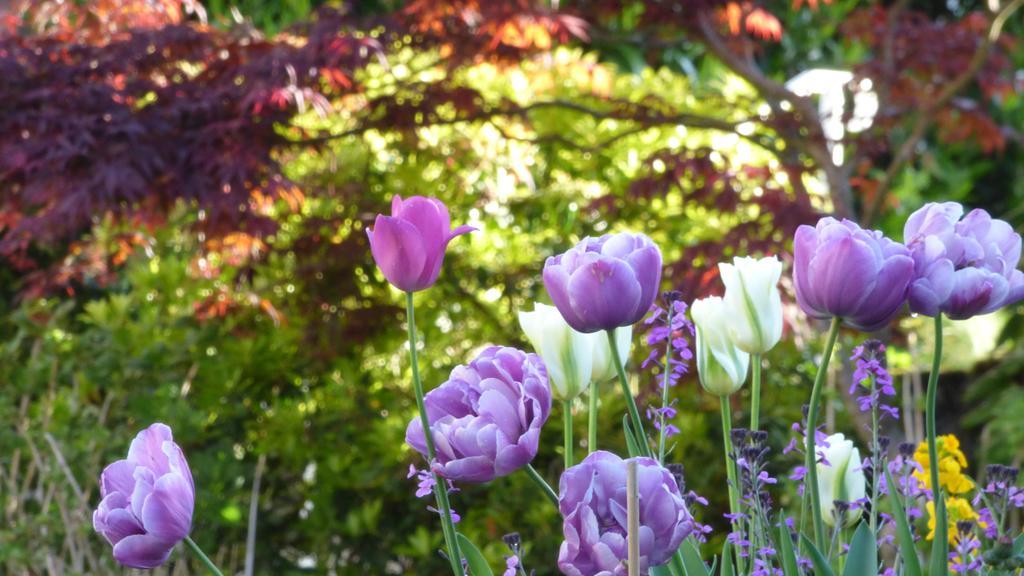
(962, 268)
(604, 283)
(592, 500)
(409, 245)
(841, 270)
(486, 419)
(147, 500)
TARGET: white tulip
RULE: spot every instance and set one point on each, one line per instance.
(752, 293)
(722, 366)
(572, 358)
(841, 479)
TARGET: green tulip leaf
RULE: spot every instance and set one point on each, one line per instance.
(477, 564)
(789, 565)
(908, 552)
(862, 560)
(821, 566)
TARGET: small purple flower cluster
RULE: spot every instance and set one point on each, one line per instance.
(872, 383)
(999, 496)
(676, 330)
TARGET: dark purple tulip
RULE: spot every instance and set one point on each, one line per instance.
(842, 270)
(486, 418)
(604, 283)
(409, 245)
(147, 500)
(592, 500)
(962, 268)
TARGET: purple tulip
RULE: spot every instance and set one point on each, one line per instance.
(409, 245)
(592, 500)
(605, 283)
(962, 268)
(486, 419)
(147, 500)
(841, 270)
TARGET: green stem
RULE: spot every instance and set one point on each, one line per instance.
(877, 462)
(544, 486)
(929, 416)
(730, 465)
(664, 387)
(634, 414)
(567, 432)
(592, 417)
(202, 556)
(440, 487)
(811, 461)
(730, 468)
(755, 392)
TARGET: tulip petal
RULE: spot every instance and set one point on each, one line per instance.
(167, 513)
(556, 281)
(886, 300)
(844, 274)
(646, 264)
(118, 525)
(398, 249)
(117, 477)
(604, 293)
(147, 448)
(142, 551)
(804, 244)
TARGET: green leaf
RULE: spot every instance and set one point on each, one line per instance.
(862, 560)
(789, 565)
(477, 564)
(821, 566)
(631, 446)
(908, 552)
(727, 566)
(939, 564)
(692, 562)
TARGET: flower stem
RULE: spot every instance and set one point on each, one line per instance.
(929, 416)
(811, 455)
(877, 462)
(730, 465)
(755, 392)
(440, 486)
(592, 418)
(634, 414)
(202, 556)
(544, 486)
(730, 471)
(567, 430)
(664, 387)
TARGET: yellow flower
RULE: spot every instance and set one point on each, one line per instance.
(957, 510)
(952, 462)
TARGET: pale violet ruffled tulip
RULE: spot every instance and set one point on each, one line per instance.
(721, 366)
(573, 359)
(841, 478)
(752, 294)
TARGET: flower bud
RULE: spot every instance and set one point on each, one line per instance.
(722, 366)
(840, 479)
(752, 292)
(573, 359)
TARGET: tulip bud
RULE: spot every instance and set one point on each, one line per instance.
(840, 478)
(573, 359)
(722, 366)
(409, 245)
(752, 292)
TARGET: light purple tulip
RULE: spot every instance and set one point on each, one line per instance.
(604, 283)
(409, 245)
(147, 500)
(592, 500)
(486, 418)
(962, 268)
(841, 270)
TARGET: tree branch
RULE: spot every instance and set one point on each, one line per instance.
(927, 114)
